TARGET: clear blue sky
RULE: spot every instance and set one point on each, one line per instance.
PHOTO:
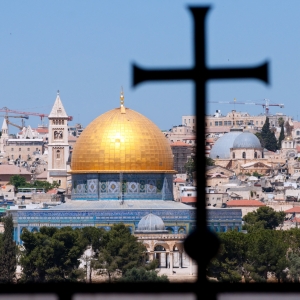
(86, 49)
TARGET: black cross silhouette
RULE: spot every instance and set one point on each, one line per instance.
(200, 74)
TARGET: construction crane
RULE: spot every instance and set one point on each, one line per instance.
(265, 105)
(7, 110)
(6, 117)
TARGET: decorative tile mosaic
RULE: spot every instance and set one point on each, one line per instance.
(113, 187)
(133, 187)
(158, 186)
(151, 186)
(92, 186)
(142, 186)
(103, 186)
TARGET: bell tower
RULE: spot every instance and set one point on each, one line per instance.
(58, 147)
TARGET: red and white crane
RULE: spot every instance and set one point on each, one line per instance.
(265, 105)
(7, 110)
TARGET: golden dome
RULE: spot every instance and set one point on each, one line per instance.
(122, 140)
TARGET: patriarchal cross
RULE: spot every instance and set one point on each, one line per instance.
(200, 74)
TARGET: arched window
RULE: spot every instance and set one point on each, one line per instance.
(244, 154)
(57, 154)
(159, 248)
(233, 155)
(255, 154)
(59, 122)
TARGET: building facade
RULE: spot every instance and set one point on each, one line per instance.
(58, 147)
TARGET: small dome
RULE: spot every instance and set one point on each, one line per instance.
(221, 149)
(246, 140)
(151, 222)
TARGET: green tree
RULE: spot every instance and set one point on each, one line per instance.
(119, 252)
(8, 254)
(142, 275)
(209, 161)
(52, 255)
(281, 136)
(280, 121)
(264, 217)
(190, 167)
(268, 137)
(266, 253)
(18, 181)
(45, 185)
(228, 265)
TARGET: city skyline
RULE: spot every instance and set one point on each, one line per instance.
(86, 50)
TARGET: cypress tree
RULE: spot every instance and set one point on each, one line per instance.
(281, 136)
(8, 252)
(265, 131)
(268, 137)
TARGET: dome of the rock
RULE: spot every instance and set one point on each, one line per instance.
(122, 140)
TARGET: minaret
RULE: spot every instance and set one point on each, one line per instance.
(4, 136)
(58, 147)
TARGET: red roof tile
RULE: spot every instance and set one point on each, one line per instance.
(244, 203)
(188, 199)
(178, 180)
(42, 130)
(178, 144)
(295, 209)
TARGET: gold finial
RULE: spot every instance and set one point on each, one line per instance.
(122, 97)
(123, 111)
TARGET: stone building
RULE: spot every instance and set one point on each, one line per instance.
(58, 146)
(181, 153)
(161, 245)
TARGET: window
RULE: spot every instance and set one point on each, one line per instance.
(261, 122)
(220, 123)
(210, 124)
(36, 149)
(57, 154)
(12, 149)
(193, 120)
(20, 149)
(244, 154)
(256, 122)
(255, 154)
(216, 123)
(298, 132)
(233, 155)
(225, 123)
(28, 149)
(189, 121)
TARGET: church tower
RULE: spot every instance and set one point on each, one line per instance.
(4, 136)
(58, 147)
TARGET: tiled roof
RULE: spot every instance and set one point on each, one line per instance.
(178, 144)
(53, 191)
(295, 209)
(237, 203)
(178, 180)
(42, 130)
(189, 199)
